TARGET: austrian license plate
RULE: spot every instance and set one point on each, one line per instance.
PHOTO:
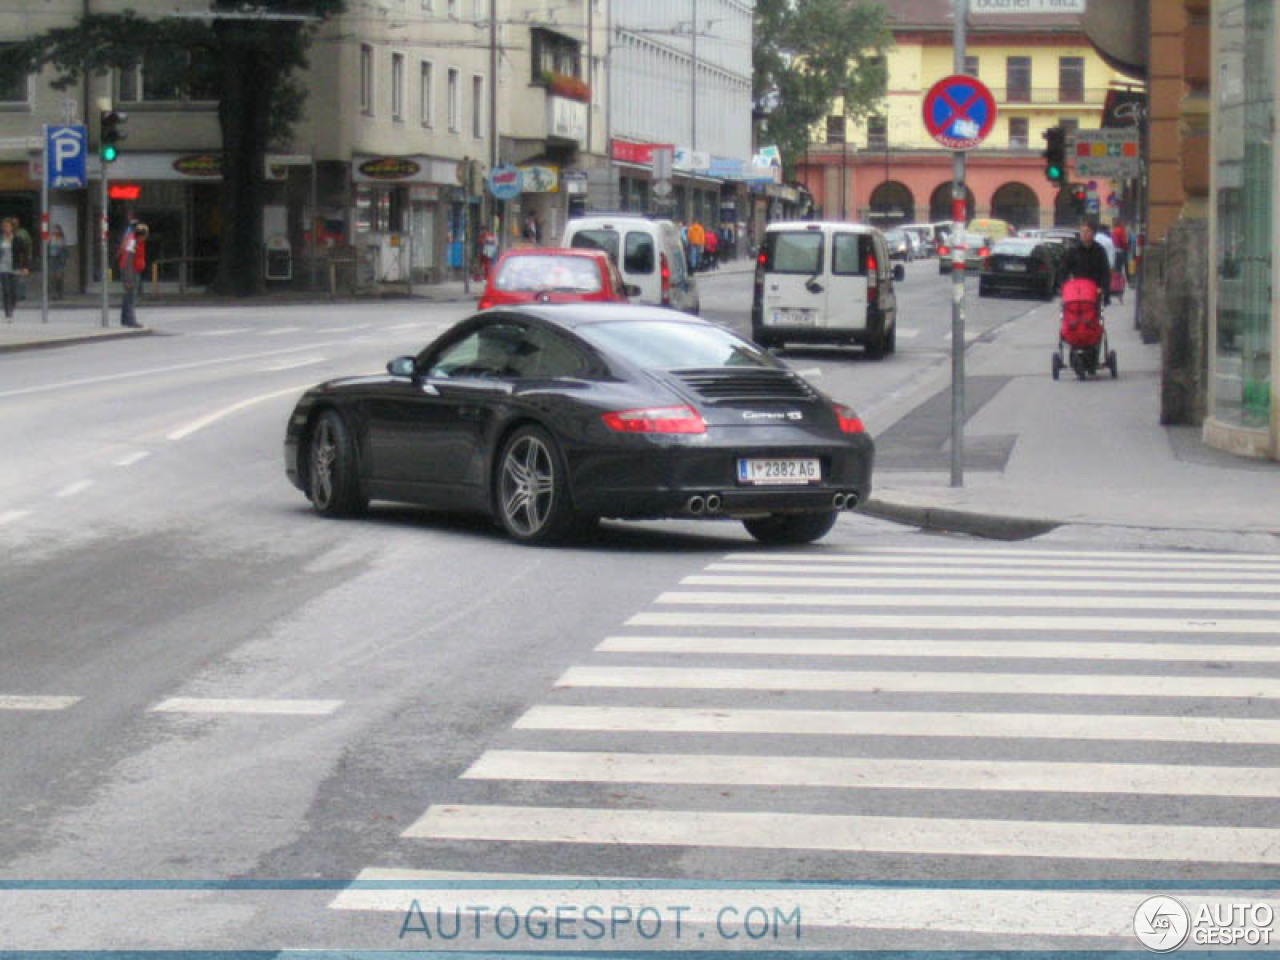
(763, 471)
(1016, 267)
(793, 318)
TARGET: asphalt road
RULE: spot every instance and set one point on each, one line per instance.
(220, 711)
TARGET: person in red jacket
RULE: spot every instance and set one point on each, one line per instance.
(132, 261)
(1120, 237)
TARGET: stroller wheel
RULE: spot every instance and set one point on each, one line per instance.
(1057, 365)
(1112, 365)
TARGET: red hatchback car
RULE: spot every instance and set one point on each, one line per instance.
(554, 275)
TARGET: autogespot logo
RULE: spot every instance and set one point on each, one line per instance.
(1161, 924)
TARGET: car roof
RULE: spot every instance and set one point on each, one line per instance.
(573, 315)
(584, 252)
(792, 225)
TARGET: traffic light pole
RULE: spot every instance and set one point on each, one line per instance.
(102, 247)
(958, 211)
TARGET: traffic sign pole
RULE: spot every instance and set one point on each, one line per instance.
(44, 227)
(958, 211)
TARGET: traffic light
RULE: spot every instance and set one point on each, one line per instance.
(1055, 155)
(110, 133)
(1079, 198)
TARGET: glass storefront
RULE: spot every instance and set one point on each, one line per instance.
(1245, 158)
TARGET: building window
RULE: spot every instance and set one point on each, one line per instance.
(453, 9)
(176, 77)
(554, 53)
(1018, 80)
(1069, 126)
(835, 128)
(455, 101)
(971, 66)
(1071, 79)
(397, 86)
(477, 107)
(366, 79)
(427, 92)
(428, 6)
(1017, 133)
(877, 133)
(15, 87)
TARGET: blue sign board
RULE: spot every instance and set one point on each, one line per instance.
(64, 156)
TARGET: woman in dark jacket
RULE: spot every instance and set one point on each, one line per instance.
(15, 261)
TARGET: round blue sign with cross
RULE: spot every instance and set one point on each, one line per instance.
(959, 112)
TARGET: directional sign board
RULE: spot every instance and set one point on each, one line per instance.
(1109, 154)
(959, 112)
(1026, 6)
(65, 156)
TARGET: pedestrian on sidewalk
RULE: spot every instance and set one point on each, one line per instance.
(15, 262)
(1090, 261)
(132, 260)
(710, 246)
(57, 262)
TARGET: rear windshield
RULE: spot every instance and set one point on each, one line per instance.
(638, 248)
(578, 274)
(793, 251)
(662, 345)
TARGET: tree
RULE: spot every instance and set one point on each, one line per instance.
(243, 59)
(807, 53)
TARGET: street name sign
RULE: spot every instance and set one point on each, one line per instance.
(959, 112)
(1026, 6)
(1107, 154)
(65, 156)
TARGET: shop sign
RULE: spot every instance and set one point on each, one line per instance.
(504, 182)
(124, 191)
(567, 119)
(726, 168)
(575, 181)
(536, 179)
(199, 165)
(641, 154)
(691, 161)
(390, 168)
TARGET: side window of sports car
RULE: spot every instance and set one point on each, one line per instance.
(545, 355)
(485, 352)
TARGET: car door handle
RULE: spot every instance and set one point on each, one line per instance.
(813, 286)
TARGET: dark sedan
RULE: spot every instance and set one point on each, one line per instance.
(1019, 266)
(548, 418)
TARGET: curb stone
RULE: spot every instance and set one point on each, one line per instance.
(990, 526)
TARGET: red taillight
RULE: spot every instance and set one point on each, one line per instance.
(848, 420)
(484, 304)
(665, 272)
(761, 258)
(943, 251)
(983, 251)
(683, 419)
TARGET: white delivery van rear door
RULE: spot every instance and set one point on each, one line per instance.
(851, 256)
(794, 286)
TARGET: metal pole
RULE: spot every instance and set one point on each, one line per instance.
(102, 246)
(958, 213)
(45, 167)
(315, 217)
(693, 82)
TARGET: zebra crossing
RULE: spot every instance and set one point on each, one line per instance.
(1034, 718)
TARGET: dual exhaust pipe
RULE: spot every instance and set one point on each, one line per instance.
(697, 505)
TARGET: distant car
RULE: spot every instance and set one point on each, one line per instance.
(547, 418)
(899, 244)
(553, 275)
(976, 247)
(992, 229)
(647, 251)
(927, 234)
(1019, 265)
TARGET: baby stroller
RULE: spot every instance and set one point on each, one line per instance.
(1082, 337)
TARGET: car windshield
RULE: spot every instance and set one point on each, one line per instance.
(535, 272)
(666, 345)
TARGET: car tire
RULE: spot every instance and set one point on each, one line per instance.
(333, 476)
(531, 489)
(891, 341)
(791, 528)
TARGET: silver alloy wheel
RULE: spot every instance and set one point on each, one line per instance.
(528, 485)
(324, 451)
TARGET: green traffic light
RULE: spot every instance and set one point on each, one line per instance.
(1054, 173)
(108, 153)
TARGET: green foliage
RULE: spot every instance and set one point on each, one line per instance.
(807, 54)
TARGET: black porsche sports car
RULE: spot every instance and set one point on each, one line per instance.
(550, 417)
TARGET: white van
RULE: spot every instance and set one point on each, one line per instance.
(648, 252)
(825, 282)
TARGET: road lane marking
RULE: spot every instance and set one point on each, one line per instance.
(856, 646)
(1011, 571)
(1133, 555)
(850, 834)
(880, 723)
(1111, 585)
(893, 621)
(183, 432)
(292, 364)
(1045, 601)
(221, 333)
(130, 459)
(12, 516)
(20, 702)
(277, 331)
(1062, 560)
(71, 489)
(247, 706)
(872, 773)
(920, 681)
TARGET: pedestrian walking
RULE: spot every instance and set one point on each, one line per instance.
(711, 247)
(15, 262)
(697, 239)
(57, 262)
(132, 261)
(531, 231)
(1089, 260)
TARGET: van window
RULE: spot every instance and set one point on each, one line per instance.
(849, 252)
(606, 240)
(798, 251)
(639, 257)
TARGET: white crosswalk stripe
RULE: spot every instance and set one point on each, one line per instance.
(1108, 707)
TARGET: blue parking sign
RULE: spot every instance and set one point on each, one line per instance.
(64, 156)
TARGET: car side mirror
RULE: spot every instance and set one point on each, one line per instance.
(403, 367)
(899, 272)
(631, 289)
